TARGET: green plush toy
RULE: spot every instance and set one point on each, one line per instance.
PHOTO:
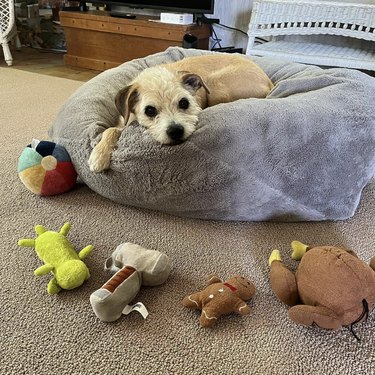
(59, 257)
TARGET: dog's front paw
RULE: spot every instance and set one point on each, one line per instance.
(99, 161)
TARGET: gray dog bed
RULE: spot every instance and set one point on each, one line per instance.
(303, 153)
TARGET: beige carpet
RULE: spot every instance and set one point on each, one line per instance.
(42, 334)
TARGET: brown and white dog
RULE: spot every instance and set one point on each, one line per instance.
(167, 99)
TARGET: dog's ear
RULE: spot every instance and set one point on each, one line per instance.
(194, 82)
(125, 101)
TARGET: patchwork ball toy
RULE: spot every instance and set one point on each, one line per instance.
(45, 168)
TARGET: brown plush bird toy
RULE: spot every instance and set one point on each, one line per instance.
(221, 298)
(331, 287)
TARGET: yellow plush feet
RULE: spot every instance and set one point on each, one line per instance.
(53, 287)
(275, 255)
(299, 250)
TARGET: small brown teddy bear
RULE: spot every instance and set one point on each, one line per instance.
(331, 287)
(221, 298)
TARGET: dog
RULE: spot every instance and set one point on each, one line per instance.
(167, 99)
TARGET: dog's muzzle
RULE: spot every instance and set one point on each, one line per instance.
(175, 132)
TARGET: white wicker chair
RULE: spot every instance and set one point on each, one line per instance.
(275, 19)
(8, 30)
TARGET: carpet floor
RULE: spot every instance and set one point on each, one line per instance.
(60, 334)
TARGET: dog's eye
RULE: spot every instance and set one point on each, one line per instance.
(151, 111)
(183, 103)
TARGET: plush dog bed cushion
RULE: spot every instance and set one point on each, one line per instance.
(303, 153)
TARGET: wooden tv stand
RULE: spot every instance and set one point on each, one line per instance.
(95, 40)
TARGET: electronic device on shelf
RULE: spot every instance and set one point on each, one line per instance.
(114, 13)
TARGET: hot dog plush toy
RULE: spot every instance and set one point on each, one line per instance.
(134, 266)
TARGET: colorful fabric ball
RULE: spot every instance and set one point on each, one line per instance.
(45, 168)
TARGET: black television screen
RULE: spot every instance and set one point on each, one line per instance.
(182, 6)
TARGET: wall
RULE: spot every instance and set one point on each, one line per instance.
(233, 13)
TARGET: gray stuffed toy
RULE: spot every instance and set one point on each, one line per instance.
(134, 266)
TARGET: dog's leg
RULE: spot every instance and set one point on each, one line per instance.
(100, 157)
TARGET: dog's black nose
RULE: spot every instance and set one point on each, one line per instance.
(175, 132)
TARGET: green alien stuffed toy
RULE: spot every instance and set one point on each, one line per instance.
(59, 257)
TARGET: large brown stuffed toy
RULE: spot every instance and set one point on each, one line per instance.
(331, 287)
(221, 298)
